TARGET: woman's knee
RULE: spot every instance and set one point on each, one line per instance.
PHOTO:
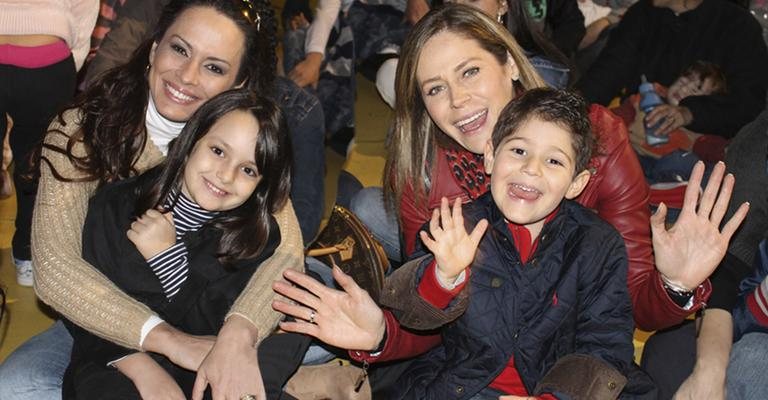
(35, 370)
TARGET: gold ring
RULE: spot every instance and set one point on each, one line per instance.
(248, 397)
(312, 317)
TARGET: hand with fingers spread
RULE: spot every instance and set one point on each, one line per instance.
(152, 233)
(348, 319)
(453, 248)
(689, 252)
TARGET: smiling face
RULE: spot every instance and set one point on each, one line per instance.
(221, 172)
(464, 87)
(531, 171)
(198, 57)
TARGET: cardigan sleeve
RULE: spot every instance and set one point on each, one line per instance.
(78, 291)
(63, 279)
(255, 302)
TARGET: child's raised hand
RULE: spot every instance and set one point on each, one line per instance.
(452, 247)
(152, 233)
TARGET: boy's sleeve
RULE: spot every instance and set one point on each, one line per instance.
(401, 295)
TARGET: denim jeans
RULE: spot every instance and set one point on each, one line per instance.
(318, 352)
(745, 378)
(554, 74)
(35, 370)
(368, 205)
(307, 129)
(336, 85)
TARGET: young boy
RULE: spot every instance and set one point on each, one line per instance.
(673, 161)
(537, 290)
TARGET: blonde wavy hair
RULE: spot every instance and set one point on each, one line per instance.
(415, 138)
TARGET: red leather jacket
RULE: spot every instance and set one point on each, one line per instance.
(617, 191)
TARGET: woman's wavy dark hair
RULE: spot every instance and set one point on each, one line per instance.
(245, 229)
(112, 126)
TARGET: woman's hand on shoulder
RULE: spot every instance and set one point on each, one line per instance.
(231, 368)
(688, 253)
(348, 319)
(150, 379)
(153, 233)
(454, 249)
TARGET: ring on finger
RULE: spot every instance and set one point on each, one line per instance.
(312, 316)
(247, 397)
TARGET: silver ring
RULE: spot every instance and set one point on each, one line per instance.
(248, 397)
(312, 317)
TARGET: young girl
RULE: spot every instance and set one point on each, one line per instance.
(184, 238)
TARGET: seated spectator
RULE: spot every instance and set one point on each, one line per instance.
(135, 24)
(184, 238)
(745, 378)
(661, 38)
(690, 360)
(672, 161)
(42, 46)
(538, 162)
(320, 57)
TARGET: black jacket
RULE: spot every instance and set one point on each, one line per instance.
(570, 298)
(204, 299)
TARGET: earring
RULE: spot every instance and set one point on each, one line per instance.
(498, 16)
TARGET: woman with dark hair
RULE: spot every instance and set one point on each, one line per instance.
(198, 226)
(118, 128)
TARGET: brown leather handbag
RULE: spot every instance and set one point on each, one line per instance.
(346, 242)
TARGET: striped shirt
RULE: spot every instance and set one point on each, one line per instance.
(172, 265)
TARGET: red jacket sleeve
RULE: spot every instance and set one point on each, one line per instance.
(400, 343)
(619, 193)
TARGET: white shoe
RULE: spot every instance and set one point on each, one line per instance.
(24, 272)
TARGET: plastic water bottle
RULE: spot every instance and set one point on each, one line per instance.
(649, 99)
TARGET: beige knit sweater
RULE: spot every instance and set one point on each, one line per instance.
(79, 292)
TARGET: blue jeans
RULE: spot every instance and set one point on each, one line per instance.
(745, 378)
(318, 352)
(306, 125)
(336, 85)
(35, 370)
(368, 205)
(554, 74)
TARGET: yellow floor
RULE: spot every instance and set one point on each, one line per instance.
(25, 315)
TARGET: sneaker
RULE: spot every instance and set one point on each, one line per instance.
(24, 272)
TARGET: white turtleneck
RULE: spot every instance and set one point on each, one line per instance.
(161, 130)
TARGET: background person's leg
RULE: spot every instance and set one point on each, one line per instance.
(35, 370)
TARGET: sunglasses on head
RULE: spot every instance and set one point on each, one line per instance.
(250, 14)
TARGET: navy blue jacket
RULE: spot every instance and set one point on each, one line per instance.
(571, 297)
